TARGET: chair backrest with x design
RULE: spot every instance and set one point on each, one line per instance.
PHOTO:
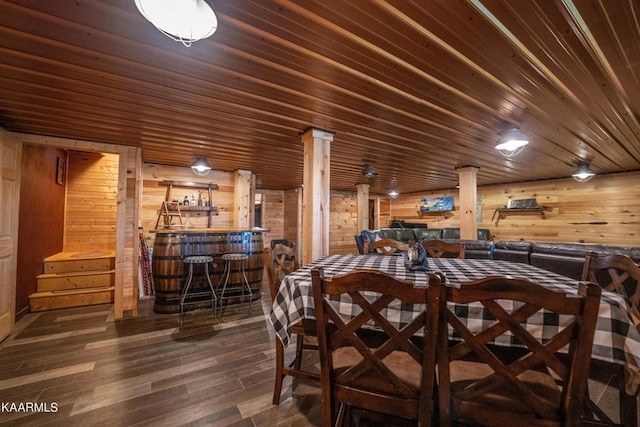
(385, 246)
(438, 248)
(284, 260)
(614, 273)
(479, 384)
(392, 374)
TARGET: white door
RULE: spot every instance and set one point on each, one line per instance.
(10, 158)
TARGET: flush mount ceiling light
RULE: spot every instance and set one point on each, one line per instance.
(369, 171)
(200, 167)
(393, 193)
(511, 142)
(583, 173)
(184, 21)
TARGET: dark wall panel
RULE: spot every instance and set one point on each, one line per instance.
(41, 228)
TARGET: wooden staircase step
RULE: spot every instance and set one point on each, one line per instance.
(68, 262)
(42, 301)
(75, 280)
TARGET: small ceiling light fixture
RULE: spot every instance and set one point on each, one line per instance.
(393, 193)
(369, 171)
(184, 21)
(200, 166)
(511, 142)
(583, 173)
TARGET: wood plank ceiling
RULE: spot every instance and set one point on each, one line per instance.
(416, 88)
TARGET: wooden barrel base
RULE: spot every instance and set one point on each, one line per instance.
(169, 273)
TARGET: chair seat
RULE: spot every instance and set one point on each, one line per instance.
(400, 363)
(463, 373)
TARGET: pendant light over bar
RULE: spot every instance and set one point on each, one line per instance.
(583, 173)
(201, 166)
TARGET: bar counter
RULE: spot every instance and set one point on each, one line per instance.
(169, 272)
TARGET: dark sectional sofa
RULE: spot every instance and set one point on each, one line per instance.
(482, 248)
(562, 258)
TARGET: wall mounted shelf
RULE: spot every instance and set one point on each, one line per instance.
(428, 214)
(505, 212)
(211, 210)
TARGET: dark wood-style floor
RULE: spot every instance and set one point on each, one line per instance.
(151, 371)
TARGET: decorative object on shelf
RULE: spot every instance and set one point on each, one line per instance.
(520, 207)
(511, 142)
(201, 166)
(369, 171)
(184, 21)
(583, 173)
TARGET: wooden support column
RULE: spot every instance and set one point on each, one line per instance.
(363, 207)
(315, 206)
(244, 190)
(468, 200)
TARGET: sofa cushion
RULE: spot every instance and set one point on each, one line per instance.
(450, 233)
(513, 250)
(454, 233)
(427, 234)
(475, 249)
(484, 234)
(515, 245)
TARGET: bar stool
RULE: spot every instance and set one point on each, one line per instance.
(191, 261)
(229, 259)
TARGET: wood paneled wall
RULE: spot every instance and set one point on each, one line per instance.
(343, 224)
(604, 210)
(272, 215)
(292, 213)
(153, 194)
(91, 202)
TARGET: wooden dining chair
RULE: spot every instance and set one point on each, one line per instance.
(392, 376)
(301, 329)
(437, 248)
(478, 385)
(385, 246)
(614, 273)
(284, 260)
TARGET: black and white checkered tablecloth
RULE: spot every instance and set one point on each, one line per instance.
(617, 338)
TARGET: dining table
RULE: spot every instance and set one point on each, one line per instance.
(616, 339)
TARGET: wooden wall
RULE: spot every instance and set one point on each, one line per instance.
(604, 210)
(272, 215)
(292, 212)
(92, 191)
(343, 224)
(153, 194)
